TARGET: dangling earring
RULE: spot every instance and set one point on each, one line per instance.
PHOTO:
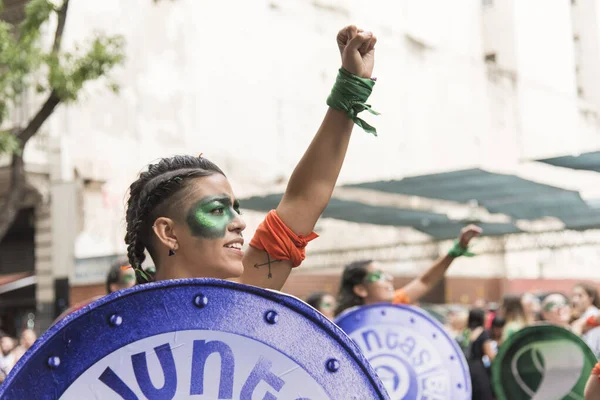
(171, 252)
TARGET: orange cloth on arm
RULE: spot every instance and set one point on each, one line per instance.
(274, 237)
(400, 297)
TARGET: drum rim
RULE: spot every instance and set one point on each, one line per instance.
(289, 301)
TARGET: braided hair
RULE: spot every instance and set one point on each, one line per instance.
(354, 274)
(153, 195)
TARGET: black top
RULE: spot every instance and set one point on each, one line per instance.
(476, 350)
(480, 373)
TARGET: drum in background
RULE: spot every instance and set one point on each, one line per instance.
(410, 350)
(206, 338)
(542, 362)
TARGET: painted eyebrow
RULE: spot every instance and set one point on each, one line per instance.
(223, 198)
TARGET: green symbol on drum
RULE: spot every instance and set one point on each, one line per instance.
(542, 363)
(547, 370)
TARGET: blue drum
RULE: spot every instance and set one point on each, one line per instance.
(410, 350)
(197, 338)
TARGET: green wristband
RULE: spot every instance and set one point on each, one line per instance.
(349, 94)
(457, 250)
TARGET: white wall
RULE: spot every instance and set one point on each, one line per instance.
(245, 83)
(499, 33)
(585, 14)
(546, 67)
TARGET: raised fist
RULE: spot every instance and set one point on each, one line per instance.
(468, 233)
(357, 48)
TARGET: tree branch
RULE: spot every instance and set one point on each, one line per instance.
(12, 203)
(60, 27)
(53, 100)
(38, 120)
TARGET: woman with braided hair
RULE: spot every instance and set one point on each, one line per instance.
(183, 211)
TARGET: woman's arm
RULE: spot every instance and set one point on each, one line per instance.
(421, 285)
(313, 180)
(578, 326)
(592, 388)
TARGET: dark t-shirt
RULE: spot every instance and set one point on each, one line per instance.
(480, 374)
(476, 348)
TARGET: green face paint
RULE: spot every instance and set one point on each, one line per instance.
(377, 276)
(125, 279)
(552, 304)
(209, 217)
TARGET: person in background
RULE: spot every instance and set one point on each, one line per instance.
(491, 314)
(120, 276)
(514, 315)
(496, 330)
(531, 306)
(7, 356)
(556, 310)
(480, 354)
(28, 338)
(585, 303)
(457, 326)
(365, 282)
(322, 302)
(584, 300)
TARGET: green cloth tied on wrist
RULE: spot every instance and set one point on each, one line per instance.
(349, 94)
(457, 250)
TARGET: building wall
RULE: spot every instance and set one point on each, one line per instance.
(585, 14)
(44, 265)
(499, 33)
(245, 84)
(173, 100)
(457, 290)
(82, 293)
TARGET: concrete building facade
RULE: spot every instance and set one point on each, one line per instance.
(488, 84)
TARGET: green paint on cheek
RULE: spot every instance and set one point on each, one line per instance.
(210, 217)
(205, 220)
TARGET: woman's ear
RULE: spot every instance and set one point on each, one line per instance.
(360, 290)
(164, 229)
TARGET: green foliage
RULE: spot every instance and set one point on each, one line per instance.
(8, 143)
(69, 72)
(27, 62)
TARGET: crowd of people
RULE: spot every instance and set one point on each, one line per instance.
(482, 329)
(12, 350)
(117, 278)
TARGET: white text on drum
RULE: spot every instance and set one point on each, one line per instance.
(202, 349)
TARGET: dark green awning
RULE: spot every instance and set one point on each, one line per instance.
(498, 193)
(586, 161)
(437, 225)
(518, 198)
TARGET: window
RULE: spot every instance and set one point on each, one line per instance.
(490, 58)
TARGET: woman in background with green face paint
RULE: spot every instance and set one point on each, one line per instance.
(365, 282)
(183, 211)
(323, 303)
